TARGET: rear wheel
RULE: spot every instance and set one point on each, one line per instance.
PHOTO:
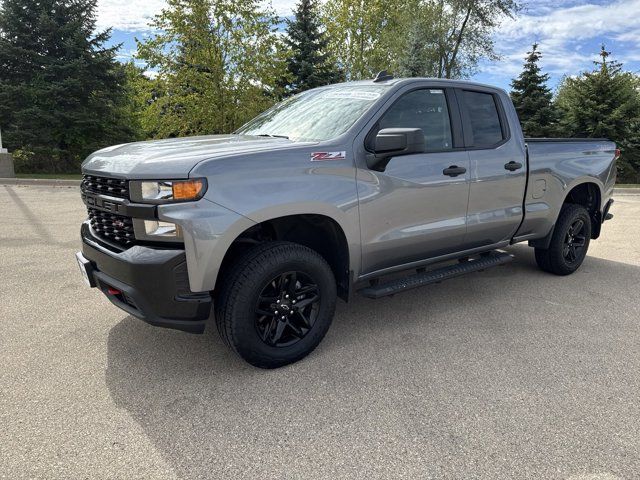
(276, 304)
(569, 242)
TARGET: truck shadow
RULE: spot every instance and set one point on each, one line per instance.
(400, 368)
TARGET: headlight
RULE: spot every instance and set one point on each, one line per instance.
(156, 190)
(167, 191)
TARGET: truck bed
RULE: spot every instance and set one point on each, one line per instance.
(554, 164)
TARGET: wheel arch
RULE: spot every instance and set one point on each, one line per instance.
(587, 192)
(318, 231)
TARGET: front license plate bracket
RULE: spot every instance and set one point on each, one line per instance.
(86, 269)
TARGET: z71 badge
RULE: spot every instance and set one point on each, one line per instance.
(325, 156)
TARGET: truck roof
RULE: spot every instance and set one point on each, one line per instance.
(403, 81)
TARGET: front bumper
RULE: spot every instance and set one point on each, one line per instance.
(149, 283)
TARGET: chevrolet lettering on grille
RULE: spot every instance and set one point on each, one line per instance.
(101, 203)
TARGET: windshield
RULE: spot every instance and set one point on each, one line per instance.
(316, 115)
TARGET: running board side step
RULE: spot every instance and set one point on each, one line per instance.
(483, 262)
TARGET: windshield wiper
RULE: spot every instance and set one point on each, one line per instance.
(271, 136)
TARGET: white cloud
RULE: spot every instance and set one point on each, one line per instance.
(578, 22)
(130, 15)
(283, 7)
(126, 55)
(633, 36)
(563, 31)
(135, 15)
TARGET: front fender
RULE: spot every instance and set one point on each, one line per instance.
(208, 230)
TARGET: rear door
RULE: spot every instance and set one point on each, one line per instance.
(414, 209)
(497, 175)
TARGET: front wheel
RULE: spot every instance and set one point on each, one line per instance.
(569, 242)
(276, 304)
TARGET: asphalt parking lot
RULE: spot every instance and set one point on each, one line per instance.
(508, 373)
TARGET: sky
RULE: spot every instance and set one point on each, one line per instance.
(569, 32)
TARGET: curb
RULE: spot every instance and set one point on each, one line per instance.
(44, 182)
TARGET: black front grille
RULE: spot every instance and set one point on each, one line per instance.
(111, 227)
(114, 187)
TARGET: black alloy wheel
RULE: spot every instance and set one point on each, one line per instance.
(569, 242)
(287, 309)
(275, 303)
(574, 241)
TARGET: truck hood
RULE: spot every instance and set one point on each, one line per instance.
(174, 158)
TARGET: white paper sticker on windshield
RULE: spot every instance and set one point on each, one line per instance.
(355, 94)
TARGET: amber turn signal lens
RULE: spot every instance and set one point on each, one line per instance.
(187, 189)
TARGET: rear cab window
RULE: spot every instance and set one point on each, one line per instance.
(484, 126)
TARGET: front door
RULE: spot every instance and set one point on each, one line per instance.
(416, 208)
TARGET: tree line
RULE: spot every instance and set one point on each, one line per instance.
(211, 65)
(602, 103)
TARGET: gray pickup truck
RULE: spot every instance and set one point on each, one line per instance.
(373, 187)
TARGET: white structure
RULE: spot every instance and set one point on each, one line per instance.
(6, 162)
(2, 150)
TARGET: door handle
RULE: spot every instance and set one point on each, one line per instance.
(454, 171)
(512, 166)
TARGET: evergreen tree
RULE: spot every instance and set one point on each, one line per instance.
(308, 64)
(414, 63)
(532, 98)
(605, 103)
(61, 90)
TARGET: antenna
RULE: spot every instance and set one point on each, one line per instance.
(382, 76)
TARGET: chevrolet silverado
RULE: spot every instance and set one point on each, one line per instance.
(373, 187)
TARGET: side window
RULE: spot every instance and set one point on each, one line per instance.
(483, 117)
(425, 109)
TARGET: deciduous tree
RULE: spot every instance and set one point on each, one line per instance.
(217, 65)
(360, 34)
(439, 38)
(464, 32)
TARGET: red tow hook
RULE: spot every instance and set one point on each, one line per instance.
(113, 291)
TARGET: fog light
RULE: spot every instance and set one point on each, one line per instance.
(157, 228)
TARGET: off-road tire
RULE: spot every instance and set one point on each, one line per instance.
(554, 259)
(242, 286)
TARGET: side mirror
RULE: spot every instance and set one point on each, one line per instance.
(392, 142)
